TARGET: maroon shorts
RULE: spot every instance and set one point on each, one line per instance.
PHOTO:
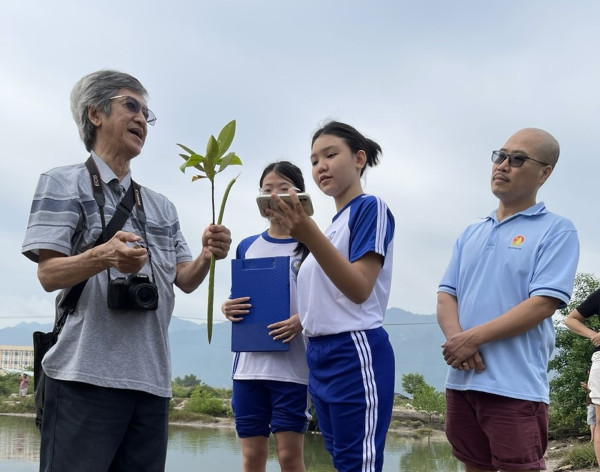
(494, 432)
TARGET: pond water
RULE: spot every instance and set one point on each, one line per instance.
(193, 448)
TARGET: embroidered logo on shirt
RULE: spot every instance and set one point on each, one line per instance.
(517, 241)
(330, 237)
(295, 266)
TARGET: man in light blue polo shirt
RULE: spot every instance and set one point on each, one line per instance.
(507, 275)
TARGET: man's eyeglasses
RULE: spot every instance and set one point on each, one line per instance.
(280, 189)
(514, 160)
(134, 106)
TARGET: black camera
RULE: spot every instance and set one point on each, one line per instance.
(134, 292)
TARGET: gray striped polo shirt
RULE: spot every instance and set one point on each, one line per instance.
(109, 348)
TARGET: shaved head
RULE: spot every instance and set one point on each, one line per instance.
(543, 144)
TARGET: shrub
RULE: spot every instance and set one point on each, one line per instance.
(411, 383)
(204, 400)
(181, 392)
(9, 383)
(189, 380)
(429, 400)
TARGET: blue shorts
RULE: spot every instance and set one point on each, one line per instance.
(262, 407)
(351, 383)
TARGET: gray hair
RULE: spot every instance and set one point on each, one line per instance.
(95, 90)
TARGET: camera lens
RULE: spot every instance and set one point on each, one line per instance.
(145, 296)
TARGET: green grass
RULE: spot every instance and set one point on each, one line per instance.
(580, 456)
(183, 416)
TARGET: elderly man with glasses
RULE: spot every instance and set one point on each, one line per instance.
(507, 275)
(108, 377)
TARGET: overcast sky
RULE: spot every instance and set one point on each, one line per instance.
(438, 84)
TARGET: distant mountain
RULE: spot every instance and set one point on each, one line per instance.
(20, 335)
(416, 340)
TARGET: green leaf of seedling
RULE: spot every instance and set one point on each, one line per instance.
(185, 165)
(230, 159)
(226, 137)
(185, 148)
(212, 151)
(192, 161)
(234, 159)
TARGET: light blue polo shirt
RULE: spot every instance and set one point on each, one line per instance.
(494, 267)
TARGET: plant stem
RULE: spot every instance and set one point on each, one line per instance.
(211, 271)
(212, 198)
(211, 296)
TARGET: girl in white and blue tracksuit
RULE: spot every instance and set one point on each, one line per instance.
(270, 388)
(343, 290)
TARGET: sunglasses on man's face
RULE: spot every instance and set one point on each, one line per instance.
(514, 160)
(134, 106)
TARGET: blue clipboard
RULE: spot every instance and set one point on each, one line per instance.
(266, 281)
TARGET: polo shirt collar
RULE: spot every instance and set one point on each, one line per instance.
(537, 209)
(106, 173)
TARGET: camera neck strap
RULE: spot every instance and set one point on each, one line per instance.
(123, 209)
(122, 212)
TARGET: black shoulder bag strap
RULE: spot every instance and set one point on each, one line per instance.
(122, 212)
